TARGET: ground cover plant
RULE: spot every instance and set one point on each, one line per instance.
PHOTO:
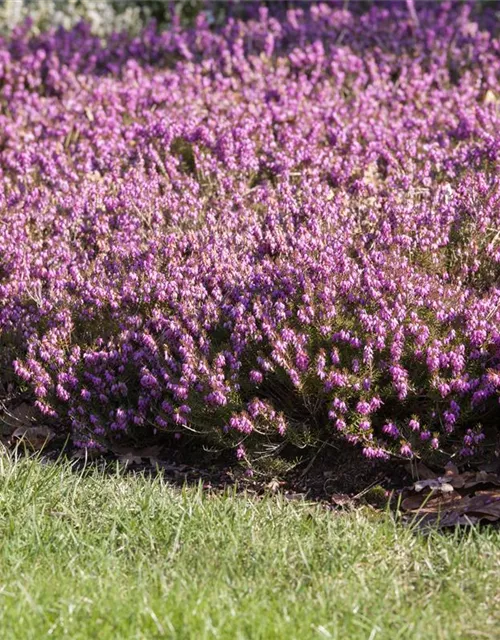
(113, 555)
(273, 231)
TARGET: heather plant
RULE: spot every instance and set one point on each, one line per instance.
(271, 231)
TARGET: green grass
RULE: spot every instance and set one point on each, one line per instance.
(113, 556)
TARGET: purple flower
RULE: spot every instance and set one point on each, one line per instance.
(256, 376)
(414, 425)
(405, 450)
(391, 430)
(240, 452)
(176, 234)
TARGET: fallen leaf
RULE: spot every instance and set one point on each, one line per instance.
(454, 499)
(130, 455)
(129, 458)
(490, 467)
(145, 452)
(473, 478)
(295, 496)
(87, 454)
(436, 485)
(340, 499)
(34, 437)
(485, 504)
(274, 485)
(22, 415)
(455, 519)
(420, 471)
(429, 502)
(451, 469)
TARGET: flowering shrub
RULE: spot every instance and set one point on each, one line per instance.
(279, 230)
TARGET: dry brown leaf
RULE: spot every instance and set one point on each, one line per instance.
(274, 485)
(455, 519)
(145, 452)
(87, 454)
(34, 437)
(430, 502)
(439, 484)
(340, 499)
(459, 503)
(490, 467)
(420, 471)
(295, 496)
(129, 455)
(485, 504)
(22, 415)
(451, 469)
(129, 458)
(473, 478)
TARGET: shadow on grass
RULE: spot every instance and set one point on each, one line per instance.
(329, 476)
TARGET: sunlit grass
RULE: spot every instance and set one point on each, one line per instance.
(95, 555)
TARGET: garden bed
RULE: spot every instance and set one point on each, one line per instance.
(256, 236)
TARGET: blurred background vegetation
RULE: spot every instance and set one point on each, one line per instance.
(106, 16)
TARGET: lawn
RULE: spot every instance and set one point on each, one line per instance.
(116, 555)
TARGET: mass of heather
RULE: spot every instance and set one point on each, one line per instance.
(277, 230)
